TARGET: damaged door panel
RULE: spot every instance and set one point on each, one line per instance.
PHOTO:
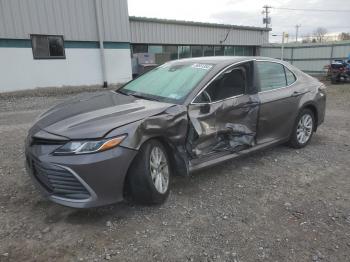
(223, 117)
(202, 134)
(236, 123)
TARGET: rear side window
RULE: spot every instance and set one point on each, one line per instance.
(289, 76)
(271, 75)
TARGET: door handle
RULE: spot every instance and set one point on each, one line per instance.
(296, 93)
(250, 104)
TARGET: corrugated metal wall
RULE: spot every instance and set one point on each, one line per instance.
(143, 31)
(310, 58)
(75, 19)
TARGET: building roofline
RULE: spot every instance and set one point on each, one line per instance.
(192, 23)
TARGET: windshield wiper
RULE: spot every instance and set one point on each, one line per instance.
(139, 95)
(123, 93)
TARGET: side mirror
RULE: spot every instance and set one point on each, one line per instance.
(205, 108)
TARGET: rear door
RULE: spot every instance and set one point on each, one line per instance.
(223, 116)
(279, 96)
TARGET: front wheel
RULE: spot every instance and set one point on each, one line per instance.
(303, 129)
(149, 175)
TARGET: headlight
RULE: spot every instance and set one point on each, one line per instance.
(89, 146)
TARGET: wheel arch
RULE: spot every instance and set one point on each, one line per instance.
(314, 110)
(178, 161)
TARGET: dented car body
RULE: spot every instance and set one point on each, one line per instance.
(217, 108)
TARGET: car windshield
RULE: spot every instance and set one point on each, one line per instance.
(167, 83)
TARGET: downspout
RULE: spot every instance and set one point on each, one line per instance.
(100, 31)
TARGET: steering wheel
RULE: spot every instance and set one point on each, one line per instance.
(206, 94)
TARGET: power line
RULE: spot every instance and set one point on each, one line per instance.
(312, 10)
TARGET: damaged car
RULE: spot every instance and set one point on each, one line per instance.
(185, 115)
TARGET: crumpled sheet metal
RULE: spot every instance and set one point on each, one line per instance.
(170, 124)
(234, 128)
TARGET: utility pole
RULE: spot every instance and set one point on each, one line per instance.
(282, 46)
(297, 32)
(267, 18)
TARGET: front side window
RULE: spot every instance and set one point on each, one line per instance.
(271, 75)
(233, 82)
(168, 83)
(48, 47)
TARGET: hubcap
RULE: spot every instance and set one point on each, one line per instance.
(159, 170)
(304, 129)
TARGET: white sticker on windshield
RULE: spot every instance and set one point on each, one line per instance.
(202, 66)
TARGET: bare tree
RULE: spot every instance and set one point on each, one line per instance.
(344, 36)
(320, 33)
(306, 38)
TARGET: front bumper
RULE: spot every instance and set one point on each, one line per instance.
(79, 181)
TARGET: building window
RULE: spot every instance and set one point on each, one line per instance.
(219, 50)
(48, 47)
(197, 51)
(249, 51)
(208, 50)
(171, 51)
(184, 51)
(155, 49)
(239, 50)
(139, 49)
(229, 50)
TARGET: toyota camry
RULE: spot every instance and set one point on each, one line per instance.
(185, 115)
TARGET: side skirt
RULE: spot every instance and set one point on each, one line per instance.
(205, 162)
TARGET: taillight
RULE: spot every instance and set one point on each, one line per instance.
(322, 87)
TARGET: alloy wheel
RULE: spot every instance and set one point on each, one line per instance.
(159, 169)
(304, 129)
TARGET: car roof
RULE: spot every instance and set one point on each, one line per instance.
(222, 60)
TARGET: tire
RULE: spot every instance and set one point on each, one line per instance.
(300, 128)
(143, 187)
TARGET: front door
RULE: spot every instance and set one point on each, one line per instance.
(223, 116)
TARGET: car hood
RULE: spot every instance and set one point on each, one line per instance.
(94, 115)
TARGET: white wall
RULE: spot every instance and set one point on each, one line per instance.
(18, 69)
(118, 65)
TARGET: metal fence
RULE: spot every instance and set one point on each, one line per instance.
(310, 58)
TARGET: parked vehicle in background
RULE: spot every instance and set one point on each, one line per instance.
(339, 71)
(178, 118)
(142, 63)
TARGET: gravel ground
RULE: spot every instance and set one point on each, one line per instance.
(277, 205)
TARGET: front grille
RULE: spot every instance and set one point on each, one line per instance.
(59, 182)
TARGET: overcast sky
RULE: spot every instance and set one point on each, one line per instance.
(248, 12)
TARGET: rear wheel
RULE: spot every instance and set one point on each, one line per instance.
(303, 129)
(149, 175)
